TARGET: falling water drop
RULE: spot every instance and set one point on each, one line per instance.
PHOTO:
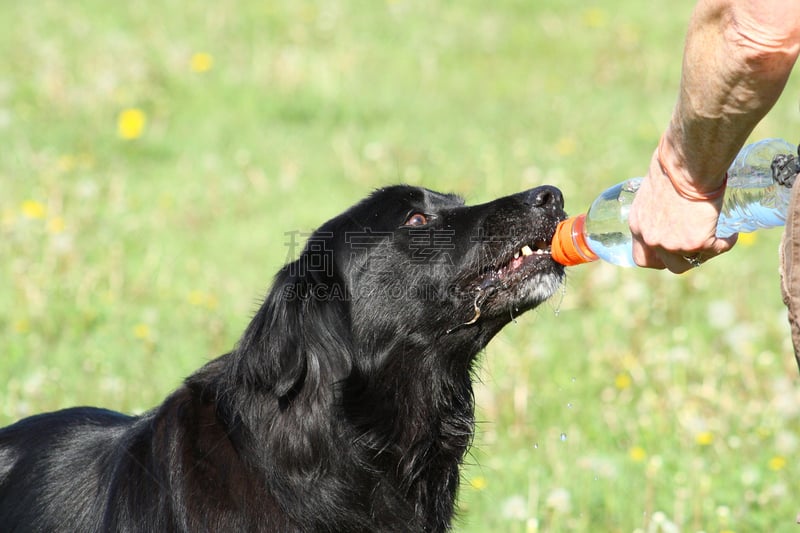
(563, 437)
(556, 305)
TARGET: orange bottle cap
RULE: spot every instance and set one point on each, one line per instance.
(569, 246)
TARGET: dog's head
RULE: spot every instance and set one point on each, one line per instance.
(413, 257)
(404, 270)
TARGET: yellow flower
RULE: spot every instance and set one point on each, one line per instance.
(196, 297)
(566, 146)
(66, 163)
(622, 381)
(777, 463)
(201, 62)
(595, 18)
(22, 325)
(637, 454)
(478, 483)
(141, 331)
(202, 299)
(55, 225)
(747, 239)
(32, 209)
(704, 438)
(131, 123)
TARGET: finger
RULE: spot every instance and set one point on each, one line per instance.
(676, 263)
(723, 244)
(644, 256)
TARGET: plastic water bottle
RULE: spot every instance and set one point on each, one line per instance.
(757, 196)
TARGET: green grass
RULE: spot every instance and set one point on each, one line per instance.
(126, 264)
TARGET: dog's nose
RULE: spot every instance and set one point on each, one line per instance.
(545, 196)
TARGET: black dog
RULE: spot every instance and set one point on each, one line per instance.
(346, 406)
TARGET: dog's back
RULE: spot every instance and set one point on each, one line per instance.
(87, 469)
(54, 472)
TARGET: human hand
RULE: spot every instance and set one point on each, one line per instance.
(671, 231)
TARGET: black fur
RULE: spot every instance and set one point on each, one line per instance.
(346, 406)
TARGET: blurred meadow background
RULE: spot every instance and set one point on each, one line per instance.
(158, 160)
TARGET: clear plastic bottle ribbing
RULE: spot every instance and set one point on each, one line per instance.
(752, 200)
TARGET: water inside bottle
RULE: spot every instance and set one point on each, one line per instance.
(619, 253)
(607, 231)
(753, 199)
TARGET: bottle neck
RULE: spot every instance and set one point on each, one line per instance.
(569, 246)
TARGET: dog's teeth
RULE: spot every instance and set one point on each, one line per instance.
(516, 254)
(526, 250)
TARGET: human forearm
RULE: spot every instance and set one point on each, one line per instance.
(737, 59)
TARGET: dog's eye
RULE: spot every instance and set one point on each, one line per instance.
(416, 219)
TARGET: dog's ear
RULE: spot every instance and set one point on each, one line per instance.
(299, 334)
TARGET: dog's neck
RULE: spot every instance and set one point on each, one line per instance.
(333, 429)
(388, 409)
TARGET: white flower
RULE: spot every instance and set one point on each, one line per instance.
(514, 508)
(661, 524)
(721, 315)
(559, 500)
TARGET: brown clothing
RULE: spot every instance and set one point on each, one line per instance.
(790, 268)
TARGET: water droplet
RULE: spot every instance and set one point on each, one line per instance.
(573, 380)
(569, 405)
(536, 445)
(563, 437)
(556, 306)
